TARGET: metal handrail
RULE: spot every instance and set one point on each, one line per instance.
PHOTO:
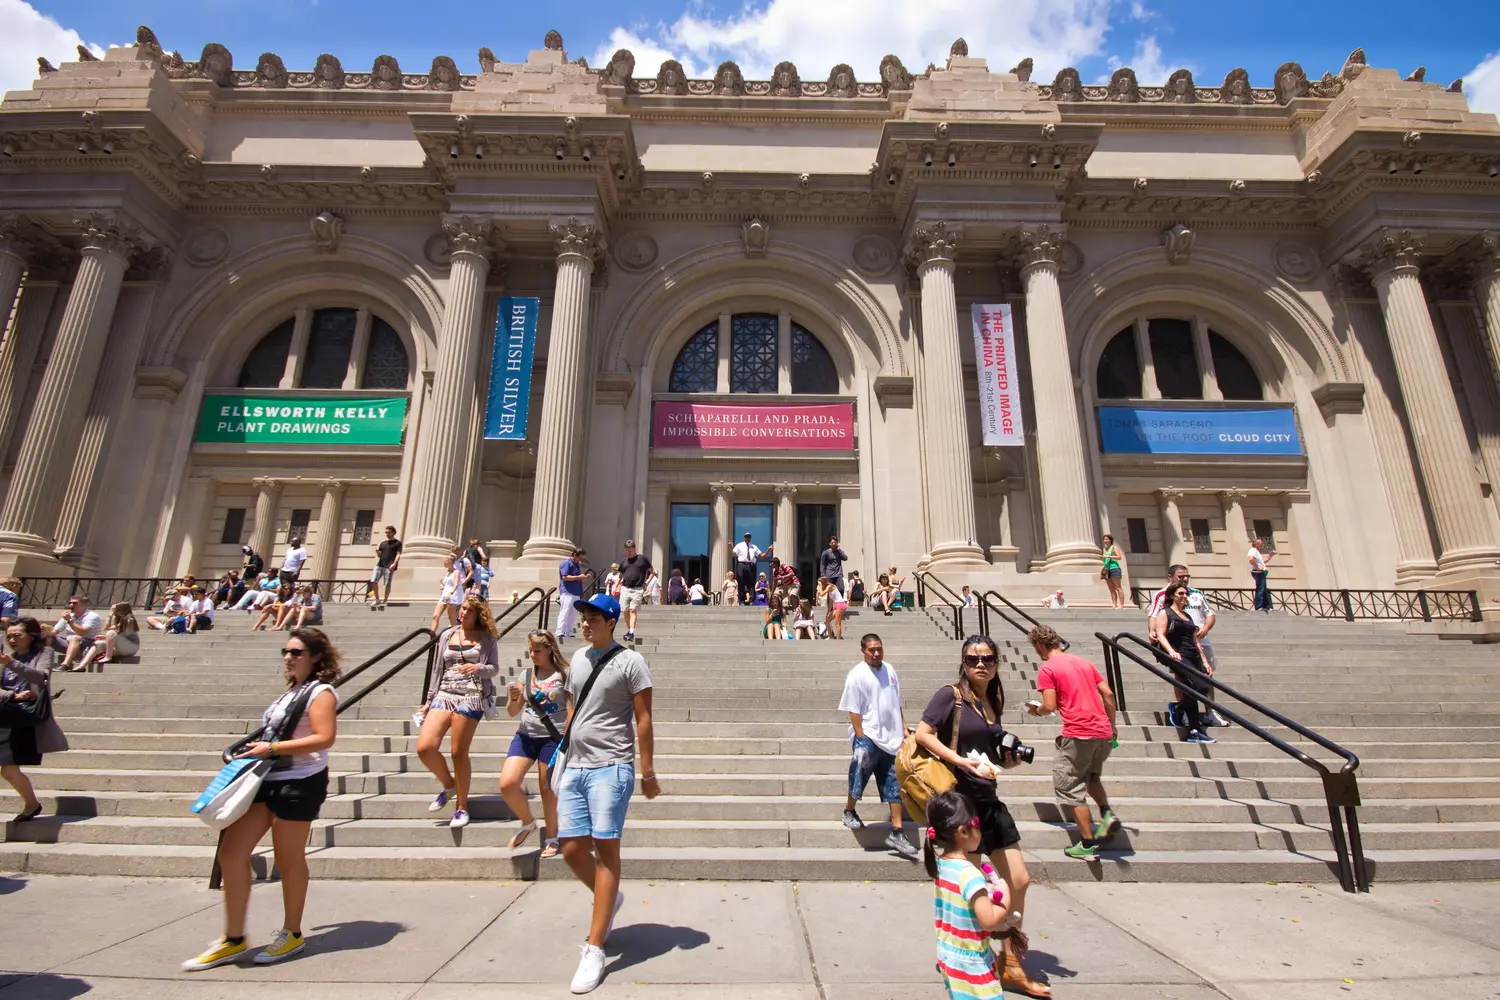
(1350, 605)
(988, 607)
(543, 603)
(1340, 788)
(952, 601)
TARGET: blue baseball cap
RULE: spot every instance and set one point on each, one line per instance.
(605, 605)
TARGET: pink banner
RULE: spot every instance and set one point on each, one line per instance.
(770, 426)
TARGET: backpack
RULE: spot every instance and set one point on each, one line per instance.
(920, 774)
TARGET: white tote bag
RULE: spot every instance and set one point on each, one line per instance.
(230, 795)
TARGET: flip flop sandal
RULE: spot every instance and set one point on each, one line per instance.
(552, 850)
(522, 834)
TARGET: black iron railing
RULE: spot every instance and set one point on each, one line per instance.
(1350, 605)
(943, 604)
(992, 602)
(985, 611)
(507, 620)
(1340, 787)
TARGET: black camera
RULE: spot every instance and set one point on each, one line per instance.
(1015, 747)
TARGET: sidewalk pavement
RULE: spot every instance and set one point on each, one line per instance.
(122, 939)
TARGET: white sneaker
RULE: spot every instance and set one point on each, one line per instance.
(590, 970)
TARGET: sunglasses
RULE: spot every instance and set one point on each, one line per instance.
(971, 660)
(294, 653)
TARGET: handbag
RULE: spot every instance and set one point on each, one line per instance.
(922, 775)
(559, 761)
(27, 714)
(232, 791)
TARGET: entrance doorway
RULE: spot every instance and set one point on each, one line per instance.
(816, 523)
(757, 519)
(689, 551)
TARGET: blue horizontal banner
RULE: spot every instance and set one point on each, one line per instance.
(1146, 430)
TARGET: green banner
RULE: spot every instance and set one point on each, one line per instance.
(301, 420)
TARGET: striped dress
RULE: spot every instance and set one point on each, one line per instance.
(963, 947)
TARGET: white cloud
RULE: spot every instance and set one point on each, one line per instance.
(26, 33)
(1482, 85)
(1150, 71)
(818, 35)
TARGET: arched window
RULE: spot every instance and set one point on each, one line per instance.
(1175, 355)
(328, 354)
(813, 370)
(753, 356)
(697, 366)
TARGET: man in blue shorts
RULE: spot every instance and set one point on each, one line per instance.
(594, 793)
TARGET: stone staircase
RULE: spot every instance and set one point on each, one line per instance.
(753, 758)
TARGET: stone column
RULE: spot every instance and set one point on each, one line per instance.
(657, 543)
(1146, 360)
(12, 266)
(950, 473)
(1235, 528)
(325, 554)
(1486, 291)
(1062, 469)
(18, 350)
(263, 532)
(786, 525)
(562, 429)
(448, 427)
(1205, 353)
(1174, 545)
(718, 535)
(1447, 466)
(29, 516)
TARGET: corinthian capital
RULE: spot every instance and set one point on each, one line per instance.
(468, 234)
(1391, 250)
(934, 243)
(109, 232)
(12, 241)
(576, 237)
(1487, 256)
(1040, 245)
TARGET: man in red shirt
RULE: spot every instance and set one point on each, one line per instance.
(1073, 687)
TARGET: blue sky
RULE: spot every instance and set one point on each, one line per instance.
(1460, 38)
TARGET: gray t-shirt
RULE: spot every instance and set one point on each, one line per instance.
(604, 726)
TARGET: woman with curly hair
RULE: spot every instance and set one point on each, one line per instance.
(286, 804)
(462, 689)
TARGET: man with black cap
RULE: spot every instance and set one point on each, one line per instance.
(610, 687)
(746, 555)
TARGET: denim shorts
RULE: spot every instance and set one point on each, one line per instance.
(470, 713)
(592, 801)
(870, 760)
(532, 747)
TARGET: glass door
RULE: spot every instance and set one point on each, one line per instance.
(816, 523)
(689, 552)
(756, 518)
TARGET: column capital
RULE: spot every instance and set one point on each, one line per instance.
(1169, 496)
(721, 490)
(575, 237)
(468, 234)
(334, 485)
(265, 484)
(1391, 251)
(111, 233)
(12, 237)
(1231, 498)
(1487, 256)
(785, 492)
(934, 243)
(1040, 246)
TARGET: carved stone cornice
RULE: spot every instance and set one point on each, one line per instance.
(468, 234)
(1040, 246)
(1339, 397)
(109, 232)
(575, 237)
(159, 382)
(934, 243)
(1391, 250)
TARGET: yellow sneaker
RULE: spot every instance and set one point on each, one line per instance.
(218, 953)
(284, 945)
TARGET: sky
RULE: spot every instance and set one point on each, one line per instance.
(1457, 38)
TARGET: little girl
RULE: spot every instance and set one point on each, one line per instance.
(967, 903)
(804, 624)
(730, 589)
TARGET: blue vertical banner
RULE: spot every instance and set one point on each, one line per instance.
(510, 370)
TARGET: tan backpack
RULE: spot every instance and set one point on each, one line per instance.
(920, 774)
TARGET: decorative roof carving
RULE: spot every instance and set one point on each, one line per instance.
(444, 74)
(1022, 70)
(553, 41)
(1236, 88)
(84, 55)
(1180, 89)
(893, 74)
(728, 80)
(1123, 88)
(1291, 83)
(327, 229)
(959, 48)
(1066, 86)
(1179, 240)
(670, 80)
(841, 82)
(270, 71)
(328, 73)
(620, 69)
(785, 82)
(1354, 65)
(756, 233)
(385, 74)
(145, 39)
(1457, 86)
(487, 60)
(43, 66)
(1328, 86)
(1418, 75)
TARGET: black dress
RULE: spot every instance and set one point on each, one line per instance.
(996, 827)
(1182, 635)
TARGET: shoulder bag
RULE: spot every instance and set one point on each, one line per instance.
(922, 775)
(27, 714)
(559, 760)
(232, 791)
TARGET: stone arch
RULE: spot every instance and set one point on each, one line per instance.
(1265, 318)
(833, 303)
(217, 324)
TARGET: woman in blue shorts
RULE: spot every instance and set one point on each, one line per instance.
(541, 700)
(462, 688)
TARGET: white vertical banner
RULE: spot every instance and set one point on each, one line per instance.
(999, 388)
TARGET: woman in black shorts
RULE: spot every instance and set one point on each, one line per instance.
(287, 803)
(977, 702)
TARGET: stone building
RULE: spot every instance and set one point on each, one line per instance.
(1237, 311)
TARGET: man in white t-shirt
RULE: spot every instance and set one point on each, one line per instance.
(200, 612)
(291, 566)
(1258, 558)
(872, 697)
(746, 555)
(75, 631)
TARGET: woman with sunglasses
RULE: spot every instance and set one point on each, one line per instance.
(462, 689)
(975, 704)
(25, 673)
(286, 804)
(540, 698)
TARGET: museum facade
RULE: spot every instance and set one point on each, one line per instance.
(963, 319)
